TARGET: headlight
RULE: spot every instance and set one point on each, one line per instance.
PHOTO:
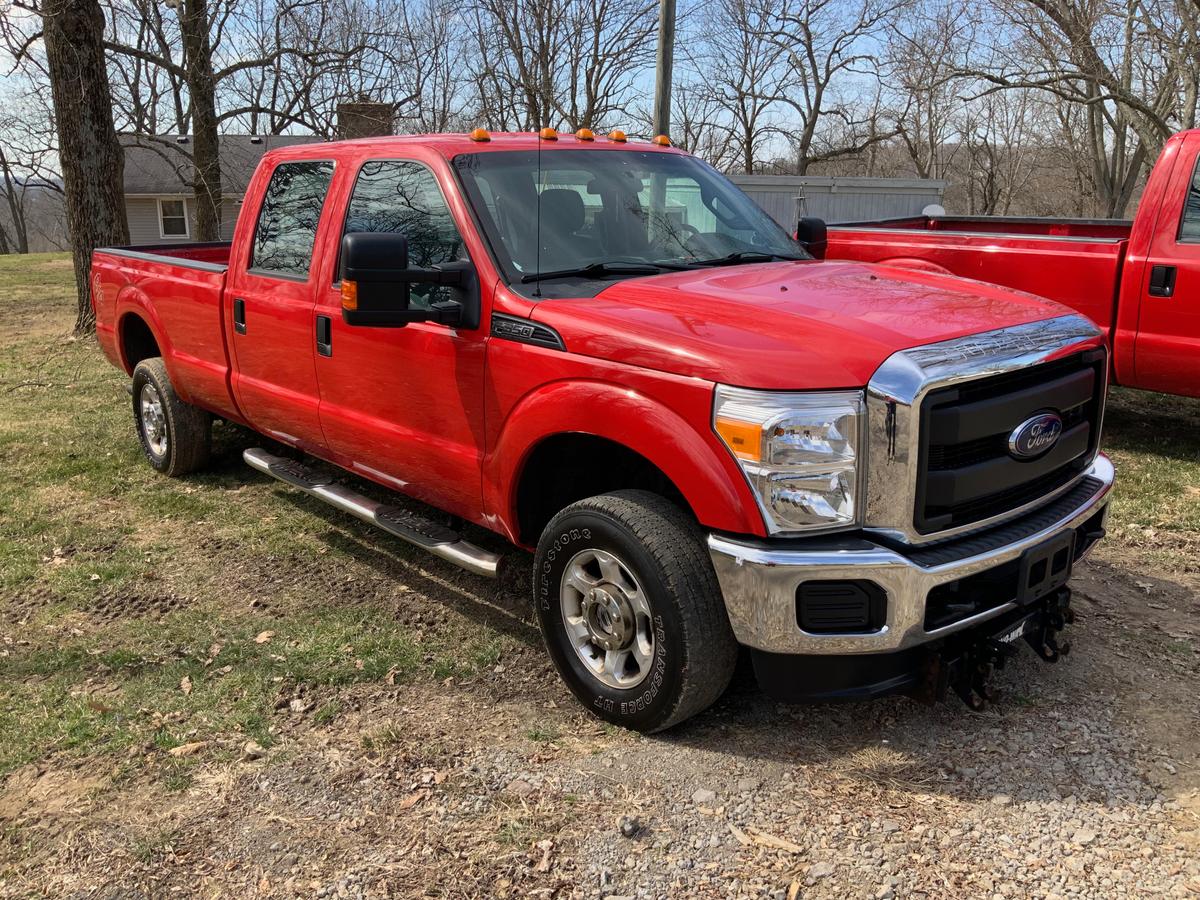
(799, 452)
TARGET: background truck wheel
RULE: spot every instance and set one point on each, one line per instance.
(175, 436)
(631, 611)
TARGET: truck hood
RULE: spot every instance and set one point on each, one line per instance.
(783, 325)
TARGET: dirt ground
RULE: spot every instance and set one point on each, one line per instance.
(165, 734)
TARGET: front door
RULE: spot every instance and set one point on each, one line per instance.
(404, 406)
(271, 303)
(1167, 355)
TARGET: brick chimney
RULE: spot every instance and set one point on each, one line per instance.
(363, 118)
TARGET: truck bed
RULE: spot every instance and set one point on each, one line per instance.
(1116, 229)
(1076, 262)
(178, 290)
(210, 255)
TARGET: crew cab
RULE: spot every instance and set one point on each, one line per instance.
(875, 479)
(1139, 280)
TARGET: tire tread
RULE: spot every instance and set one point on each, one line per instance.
(190, 428)
(676, 543)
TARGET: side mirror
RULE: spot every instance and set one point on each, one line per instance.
(813, 235)
(376, 283)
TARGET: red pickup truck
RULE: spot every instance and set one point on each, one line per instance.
(1139, 280)
(876, 479)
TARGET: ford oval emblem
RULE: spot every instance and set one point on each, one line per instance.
(1035, 435)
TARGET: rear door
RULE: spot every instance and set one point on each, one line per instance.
(272, 297)
(1168, 338)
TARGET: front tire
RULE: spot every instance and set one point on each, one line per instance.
(631, 612)
(176, 437)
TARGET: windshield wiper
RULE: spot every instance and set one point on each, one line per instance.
(596, 270)
(746, 256)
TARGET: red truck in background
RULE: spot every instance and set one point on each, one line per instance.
(1139, 280)
(876, 479)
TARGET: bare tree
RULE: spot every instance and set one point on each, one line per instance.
(214, 51)
(827, 42)
(72, 59)
(745, 72)
(562, 63)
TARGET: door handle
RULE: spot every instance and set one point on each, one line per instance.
(325, 335)
(239, 316)
(1162, 281)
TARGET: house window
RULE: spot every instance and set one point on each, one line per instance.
(172, 218)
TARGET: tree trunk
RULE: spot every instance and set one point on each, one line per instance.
(16, 211)
(92, 161)
(197, 60)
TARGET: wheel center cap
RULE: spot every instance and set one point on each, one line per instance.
(609, 618)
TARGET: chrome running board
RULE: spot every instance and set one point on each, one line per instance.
(440, 540)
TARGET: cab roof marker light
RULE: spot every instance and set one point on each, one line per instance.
(585, 134)
(480, 135)
(617, 136)
(662, 140)
(548, 134)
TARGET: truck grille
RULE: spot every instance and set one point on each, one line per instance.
(966, 473)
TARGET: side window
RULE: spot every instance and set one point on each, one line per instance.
(404, 198)
(287, 222)
(1189, 228)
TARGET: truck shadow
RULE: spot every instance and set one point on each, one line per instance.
(493, 604)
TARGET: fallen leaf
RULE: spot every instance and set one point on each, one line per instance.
(390, 677)
(766, 839)
(793, 890)
(252, 750)
(185, 685)
(544, 863)
(188, 749)
(358, 664)
(264, 637)
(413, 799)
(97, 706)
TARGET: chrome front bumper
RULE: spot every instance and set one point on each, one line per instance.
(759, 581)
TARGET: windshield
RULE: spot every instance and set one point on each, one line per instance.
(608, 214)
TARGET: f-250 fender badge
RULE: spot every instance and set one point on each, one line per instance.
(523, 331)
(1035, 436)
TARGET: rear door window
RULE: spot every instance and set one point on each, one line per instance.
(1189, 228)
(287, 222)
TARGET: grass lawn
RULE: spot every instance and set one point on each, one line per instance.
(139, 613)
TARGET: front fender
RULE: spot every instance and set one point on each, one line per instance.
(694, 460)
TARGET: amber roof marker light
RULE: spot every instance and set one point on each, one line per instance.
(480, 135)
(617, 136)
(662, 140)
(585, 134)
(548, 134)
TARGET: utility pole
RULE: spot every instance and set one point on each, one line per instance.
(662, 73)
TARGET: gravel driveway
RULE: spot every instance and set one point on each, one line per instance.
(1082, 783)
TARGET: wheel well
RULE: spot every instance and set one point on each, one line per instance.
(137, 341)
(569, 467)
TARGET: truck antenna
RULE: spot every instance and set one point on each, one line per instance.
(537, 228)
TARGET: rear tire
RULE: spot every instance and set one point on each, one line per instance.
(631, 612)
(176, 437)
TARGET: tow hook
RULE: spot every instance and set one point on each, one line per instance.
(967, 667)
(1043, 635)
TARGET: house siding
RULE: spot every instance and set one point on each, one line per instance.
(142, 215)
(786, 197)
